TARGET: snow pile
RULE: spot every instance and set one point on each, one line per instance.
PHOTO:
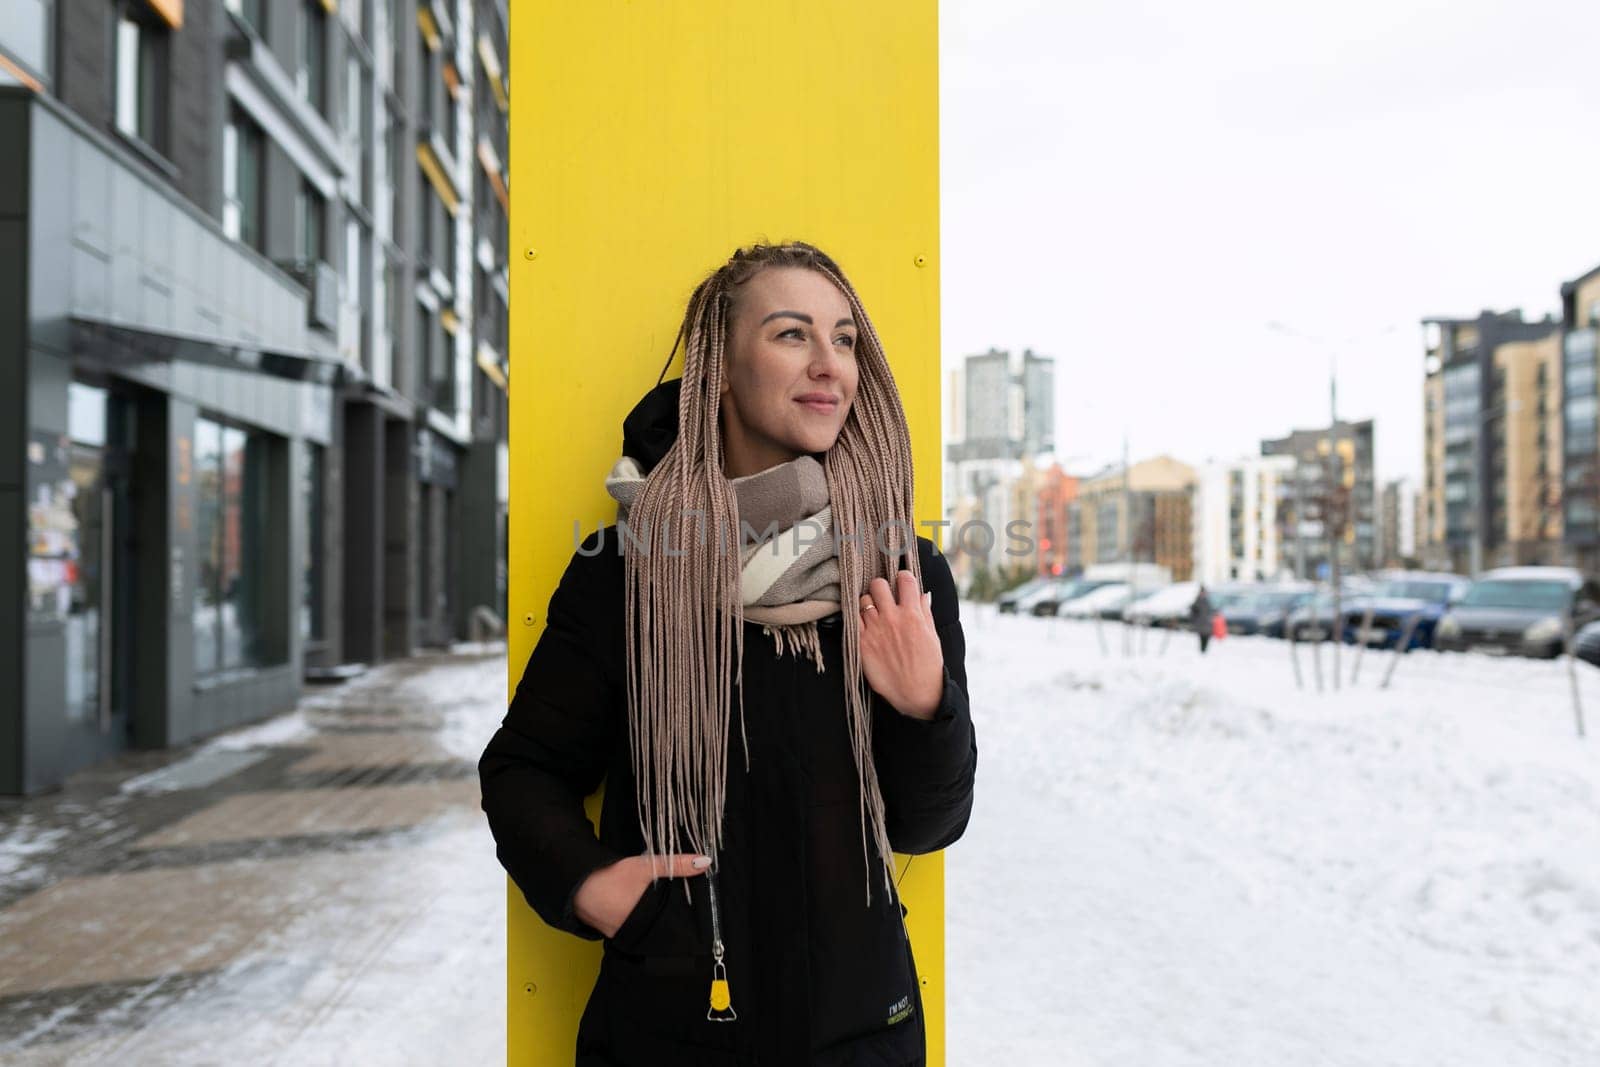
(1179, 859)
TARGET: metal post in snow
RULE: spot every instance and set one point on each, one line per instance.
(1406, 634)
(1572, 671)
(1294, 658)
(1361, 644)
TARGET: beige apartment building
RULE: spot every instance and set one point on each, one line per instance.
(1492, 442)
(1147, 516)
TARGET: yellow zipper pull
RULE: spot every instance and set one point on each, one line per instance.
(721, 1010)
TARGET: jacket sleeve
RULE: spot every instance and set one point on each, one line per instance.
(926, 768)
(552, 750)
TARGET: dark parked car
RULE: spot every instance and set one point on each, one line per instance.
(1045, 602)
(1264, 610)
(1586, 646)
(1313, 620)
(1007, 601)
(1414, 599)
(1520, 611)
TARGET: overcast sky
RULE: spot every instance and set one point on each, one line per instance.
(1138, 187)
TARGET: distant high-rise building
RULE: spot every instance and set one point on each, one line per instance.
(1333, 470)
(1578, 493)
(1007, 406)
(1492, 451)
(1001, 415)
(1038, 403)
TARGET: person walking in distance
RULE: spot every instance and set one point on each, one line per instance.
(1200, 617)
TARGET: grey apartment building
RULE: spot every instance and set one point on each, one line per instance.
(1332, 478)
(253, 302)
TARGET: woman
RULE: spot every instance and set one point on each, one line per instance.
(769, 722)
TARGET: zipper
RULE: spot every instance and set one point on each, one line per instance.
(721, 1009)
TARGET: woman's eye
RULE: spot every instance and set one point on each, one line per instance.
(846, 340)
(795, 331)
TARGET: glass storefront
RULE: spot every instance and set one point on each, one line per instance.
(311, 481)
(86, 432)
(230, 517)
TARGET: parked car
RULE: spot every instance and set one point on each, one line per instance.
(1225, 596)
(1090, 604)
(1164, 607)
(1007, 601)
(1138, 575)
(1520, 611)
(1045, 601)
(1265, 609)
(1314, 619)
(1586, 645)
(1414, 599)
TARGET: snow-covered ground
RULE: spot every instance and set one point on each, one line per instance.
(1186, 860)
(1174, 860)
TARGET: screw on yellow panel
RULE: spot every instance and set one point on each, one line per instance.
(638, 181)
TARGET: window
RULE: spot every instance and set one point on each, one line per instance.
(141, 78)
(231, 526)
(435, 362)
(241, 181)
(391, 310)
(311, 483)
(355, 255)
(25, 33)
(394, 158)
(310, 224)
(397, 44)
(313, 76)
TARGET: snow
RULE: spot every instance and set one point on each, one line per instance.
(1186, 860)
(21, 842)
(282, 730)
(1173, 860)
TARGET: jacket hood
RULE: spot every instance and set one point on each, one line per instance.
(652, 425)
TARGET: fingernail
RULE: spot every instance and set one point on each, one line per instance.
(700, 863)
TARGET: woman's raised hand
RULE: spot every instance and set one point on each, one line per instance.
(607, 896)
(900, 651)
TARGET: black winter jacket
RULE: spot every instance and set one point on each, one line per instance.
(816, 976)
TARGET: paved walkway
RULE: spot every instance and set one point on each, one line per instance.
(320, 888)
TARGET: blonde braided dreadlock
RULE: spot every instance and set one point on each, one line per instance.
(685, 641)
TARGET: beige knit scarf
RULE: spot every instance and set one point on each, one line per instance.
(789, 570)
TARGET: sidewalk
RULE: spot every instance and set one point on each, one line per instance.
(319, 888)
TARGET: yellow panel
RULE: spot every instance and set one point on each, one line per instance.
(438, 177)
(171, 12)
(648, 141)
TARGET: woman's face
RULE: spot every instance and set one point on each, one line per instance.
(791, 371)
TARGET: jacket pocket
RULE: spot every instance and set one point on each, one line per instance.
(666, 933)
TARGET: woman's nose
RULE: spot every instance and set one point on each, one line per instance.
(825, 361)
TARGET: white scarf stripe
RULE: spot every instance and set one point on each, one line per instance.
(764, 564)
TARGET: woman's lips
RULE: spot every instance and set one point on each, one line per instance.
(821, 405)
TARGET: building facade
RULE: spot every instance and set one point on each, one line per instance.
(1330, 487)
(1399, 507)
(1492, 441)
(1242, 527)
(1000, 416)
(1142, 515)
(1580, 410)
(1047, 491)
(255, 423)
